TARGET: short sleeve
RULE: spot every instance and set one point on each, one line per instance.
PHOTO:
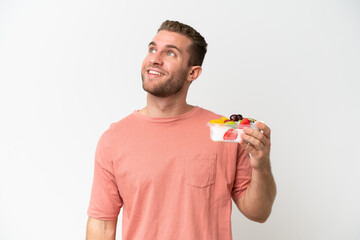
(243, 174)
(105, 201)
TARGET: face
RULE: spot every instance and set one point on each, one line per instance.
(165, 67)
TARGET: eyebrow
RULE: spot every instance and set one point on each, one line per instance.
(167, 46)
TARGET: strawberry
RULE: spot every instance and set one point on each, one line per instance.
(245, 121)
(230, 134)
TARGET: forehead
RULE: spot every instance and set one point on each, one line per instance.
(164, 38)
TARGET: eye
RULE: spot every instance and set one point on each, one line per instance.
(152, 50)
(171, 54)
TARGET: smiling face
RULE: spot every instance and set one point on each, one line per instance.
(165, 68)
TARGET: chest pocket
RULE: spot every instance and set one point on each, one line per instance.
(201, 170)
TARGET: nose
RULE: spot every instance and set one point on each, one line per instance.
(156, 59)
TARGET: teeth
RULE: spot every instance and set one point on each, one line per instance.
(154, 72)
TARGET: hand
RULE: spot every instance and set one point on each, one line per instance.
(257, 143)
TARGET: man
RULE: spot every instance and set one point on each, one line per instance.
(160, 165)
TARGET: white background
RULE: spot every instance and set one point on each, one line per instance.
(70, 68)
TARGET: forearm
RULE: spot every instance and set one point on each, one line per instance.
(260, 195)
(100, 230)
(257, 202)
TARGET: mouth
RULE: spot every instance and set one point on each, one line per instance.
(155, 73)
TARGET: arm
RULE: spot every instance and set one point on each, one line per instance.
(257, 202)
(100, 229)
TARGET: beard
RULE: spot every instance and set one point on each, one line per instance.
(170, 87)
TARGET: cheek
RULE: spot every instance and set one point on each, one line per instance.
(143, 65)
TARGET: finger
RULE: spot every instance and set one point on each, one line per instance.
(247, 146)
(252, 140)
(257, 134)
(264, 128)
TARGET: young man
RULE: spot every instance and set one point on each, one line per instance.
(160, 165)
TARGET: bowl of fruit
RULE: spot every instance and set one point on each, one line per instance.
(229, 129)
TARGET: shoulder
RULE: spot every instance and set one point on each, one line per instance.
(117, 129)
(124, 122)
(205, 113)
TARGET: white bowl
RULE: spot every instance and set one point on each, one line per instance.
(227, 132)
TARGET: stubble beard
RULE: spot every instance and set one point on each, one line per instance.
(170, 87)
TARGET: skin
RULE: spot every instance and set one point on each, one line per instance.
(100, 229)
(168, 55)
(257, 203)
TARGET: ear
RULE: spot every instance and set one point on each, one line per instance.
(194, 73)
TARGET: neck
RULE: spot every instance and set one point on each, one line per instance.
(165, 107)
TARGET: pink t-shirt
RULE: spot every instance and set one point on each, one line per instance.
(171, 180)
